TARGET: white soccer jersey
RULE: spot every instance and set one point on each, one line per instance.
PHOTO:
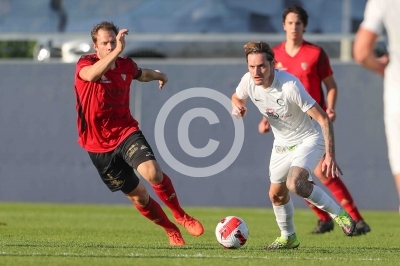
(284, 104)
(381, 14)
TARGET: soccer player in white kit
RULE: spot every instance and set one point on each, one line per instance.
(303, 135)
(379, 14)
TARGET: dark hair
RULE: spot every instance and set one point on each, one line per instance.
(259, 48)
(297, 10)
(104, 25)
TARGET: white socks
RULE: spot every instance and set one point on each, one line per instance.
(284, 218)
(284, 213)
(322, 201)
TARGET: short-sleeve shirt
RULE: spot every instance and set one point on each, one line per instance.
(381, 14)
(284, 104)
(104, 117)
(310, 65)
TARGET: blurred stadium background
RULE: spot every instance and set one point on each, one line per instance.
(198, 43)
(174, 28)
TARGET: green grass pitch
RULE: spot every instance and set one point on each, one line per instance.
(78, 234)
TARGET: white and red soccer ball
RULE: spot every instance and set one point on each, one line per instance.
(232, 232)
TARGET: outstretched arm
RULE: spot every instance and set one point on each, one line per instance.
(329, 165)
(150, 75)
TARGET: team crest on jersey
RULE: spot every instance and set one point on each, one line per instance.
(123, 76)
(103, 79)
(304, 65)
(271, 113)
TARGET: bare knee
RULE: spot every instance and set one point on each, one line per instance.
(278, 194)
(150, 170)
(139, 196)
(297, 182)
(277, 199)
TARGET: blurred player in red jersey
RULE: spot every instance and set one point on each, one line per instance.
(112, 136)
(310, 64)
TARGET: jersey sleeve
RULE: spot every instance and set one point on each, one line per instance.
(242, 90)
(82, 62)
(373, 15)
(297, 94)
(324, 66)
(137, 71)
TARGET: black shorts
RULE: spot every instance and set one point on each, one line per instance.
(116, 167)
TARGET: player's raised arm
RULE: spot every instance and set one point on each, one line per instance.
(108, 47)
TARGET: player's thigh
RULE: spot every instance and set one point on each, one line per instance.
(135, 150)
(279, 165)
(115, 173)
(151, 171)
(308, 155)
(392, 129)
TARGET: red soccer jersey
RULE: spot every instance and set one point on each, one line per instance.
(104, 117)
(310, 65)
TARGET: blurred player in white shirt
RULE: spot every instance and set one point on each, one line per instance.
(381, 14)
(300, 142)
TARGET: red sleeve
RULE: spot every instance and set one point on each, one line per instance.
(137, 71)
(324, 67)
(82, 62)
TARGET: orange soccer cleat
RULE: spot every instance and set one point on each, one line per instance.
(193, 226)
(175, 238)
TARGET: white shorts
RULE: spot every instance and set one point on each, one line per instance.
(392, 129)
(306, 155)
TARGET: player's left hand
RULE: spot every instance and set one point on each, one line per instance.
(163, 79)
(330, 167)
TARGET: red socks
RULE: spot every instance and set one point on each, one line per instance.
(166, 192)
(342, 195)
(155, 213)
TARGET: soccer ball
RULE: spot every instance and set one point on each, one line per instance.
(232, 232)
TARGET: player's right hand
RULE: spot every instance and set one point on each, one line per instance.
(239, 111)
(121, 39)
(331, 114)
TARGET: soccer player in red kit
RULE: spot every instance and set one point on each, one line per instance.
(310, 64)
(111, 136)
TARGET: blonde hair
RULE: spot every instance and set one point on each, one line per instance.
(104, 25)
